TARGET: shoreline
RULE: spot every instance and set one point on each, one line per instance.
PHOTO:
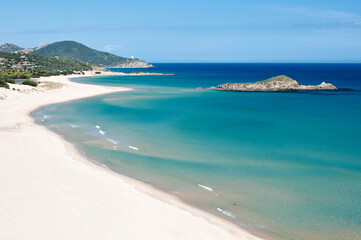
(173, 199)
(64, 187)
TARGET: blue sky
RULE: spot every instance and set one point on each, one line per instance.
(193, 31)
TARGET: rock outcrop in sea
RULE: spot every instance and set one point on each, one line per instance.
(134, 64)
(275, 84)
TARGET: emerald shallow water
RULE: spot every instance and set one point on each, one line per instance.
(285, 164)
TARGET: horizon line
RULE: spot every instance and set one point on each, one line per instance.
(254, 62)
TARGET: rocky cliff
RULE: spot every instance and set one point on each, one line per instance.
(133, 64)
(9, 47)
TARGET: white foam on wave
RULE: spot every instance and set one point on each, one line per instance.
(97, 126)
(114, 142)
(134, 148)
(205, 187)
(45, 117)
(74, 126)
(256, 225)
(101, 132)
(228, 213)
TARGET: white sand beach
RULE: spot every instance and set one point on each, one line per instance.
(48, 190)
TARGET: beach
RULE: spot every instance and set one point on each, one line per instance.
(48, 190)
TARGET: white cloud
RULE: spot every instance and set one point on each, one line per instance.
(113, 47)
(341, 17)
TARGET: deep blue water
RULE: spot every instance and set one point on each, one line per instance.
(285, 164)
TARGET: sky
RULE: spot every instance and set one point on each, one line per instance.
(193, 31)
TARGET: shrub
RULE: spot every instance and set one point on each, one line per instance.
(30, 83)
(35, 75)
(10, 81)
(4, 84)
(19, 75)
(5, 78)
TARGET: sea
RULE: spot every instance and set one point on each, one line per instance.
(284, 165)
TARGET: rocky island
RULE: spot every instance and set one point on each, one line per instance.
(275, 84)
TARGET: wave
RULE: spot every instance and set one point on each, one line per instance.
(228, 213)
(74, 126)
(98, 127)
(102, 132)
(45, 117)
(205, 187)
(134, 148)
(115, 142)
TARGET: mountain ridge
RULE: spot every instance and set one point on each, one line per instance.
(72, 50)
(10, 47)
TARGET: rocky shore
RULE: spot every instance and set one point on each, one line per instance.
(134, 64)
(275, 84)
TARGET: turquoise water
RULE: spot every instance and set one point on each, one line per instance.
(287, 165)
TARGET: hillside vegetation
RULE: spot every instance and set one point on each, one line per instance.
(76, 51)
(281, 78)
(26, 66)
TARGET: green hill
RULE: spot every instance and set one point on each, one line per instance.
(76, 51)
(27, 60)
(26, 66)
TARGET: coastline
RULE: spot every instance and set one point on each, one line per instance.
(60, 194)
